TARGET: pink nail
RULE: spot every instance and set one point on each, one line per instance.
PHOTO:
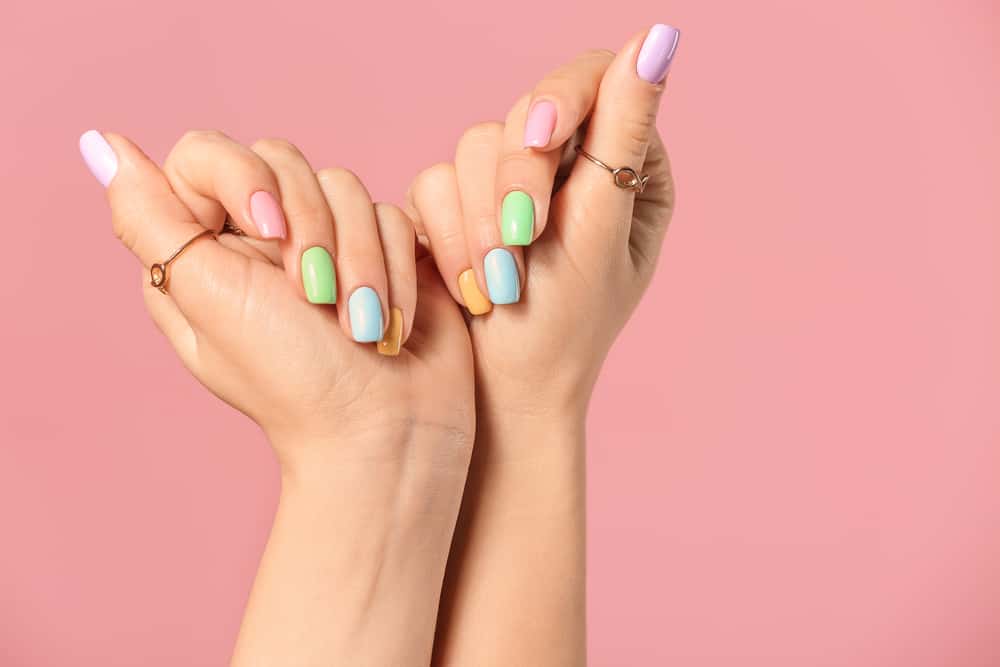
(99, 156)
(540, 124)
(267, 215)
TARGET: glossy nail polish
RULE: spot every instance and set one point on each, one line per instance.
(267, 215)
(475, 301)
(517, 218)
(365, 311)
(502, 280)
(319, 280)
(540, 124)
(99, 156)
(389, 345)
(657, 52)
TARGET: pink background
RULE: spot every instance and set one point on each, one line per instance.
(794, 446)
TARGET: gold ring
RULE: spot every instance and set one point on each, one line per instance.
(625, 178)
(158, 272)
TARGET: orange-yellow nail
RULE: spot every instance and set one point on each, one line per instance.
(389, 345)
(475, 301)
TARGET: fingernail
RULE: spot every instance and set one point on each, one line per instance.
(318, 277)
(502, 280)
(656, 53)
(517, 218)
(267, 215)
(389, 345)
(99, 156)
(366, 315)
(475, 301)
(540, 125)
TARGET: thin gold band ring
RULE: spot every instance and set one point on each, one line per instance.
(158, 271)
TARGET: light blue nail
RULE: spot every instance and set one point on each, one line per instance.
(502, 280)
(366, 315)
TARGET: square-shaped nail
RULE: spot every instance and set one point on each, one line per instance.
(390, 343)
(319, 280)
(657, 52)
(517, 218)
(502, 279)
(365, 311)
(540, 124)
(475, 300)
(267, 216)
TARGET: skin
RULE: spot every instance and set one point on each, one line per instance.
(373, 450)
(517, 566)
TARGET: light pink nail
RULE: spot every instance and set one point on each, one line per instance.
(540, 124)
(267, 215)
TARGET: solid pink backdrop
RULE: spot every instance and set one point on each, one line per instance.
(794, 445)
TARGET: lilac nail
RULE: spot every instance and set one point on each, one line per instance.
(656, 53)
(99, 156)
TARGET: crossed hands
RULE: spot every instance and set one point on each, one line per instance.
(402, 358)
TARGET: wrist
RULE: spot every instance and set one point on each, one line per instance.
(418, 476)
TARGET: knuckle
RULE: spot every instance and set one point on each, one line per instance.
(604, 55)
(636, 130)
(387, 213)
(434, 178)
(196, 137)
(338, 177)
(480, 134)
(123, 231)
(279, 148)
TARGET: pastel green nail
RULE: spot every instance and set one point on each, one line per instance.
(517, 218)
(318, 277)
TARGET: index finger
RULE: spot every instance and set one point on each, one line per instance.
(561, 101)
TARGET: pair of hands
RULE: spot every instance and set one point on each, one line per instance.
(548, 276)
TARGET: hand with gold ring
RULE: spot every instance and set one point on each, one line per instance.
(550, 280)
(373, 448)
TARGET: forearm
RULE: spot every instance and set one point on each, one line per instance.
(515, 589)
(353, 567)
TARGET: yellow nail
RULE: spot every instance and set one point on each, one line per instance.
(389, 345)
(475, 301)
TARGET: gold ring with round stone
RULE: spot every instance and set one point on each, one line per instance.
(625, 178)
(158, 271)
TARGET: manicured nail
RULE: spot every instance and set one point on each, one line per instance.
(366, 315)
(517, 218)
(502, 280)
(540, 125)
(99, 156)
(389, 345)
(656, 53)
(475, 301)
(318, 276)
(267, 215)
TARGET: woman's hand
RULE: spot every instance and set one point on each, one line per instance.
(374, 449)
(517, 565)
(566, 297)
(248, 331)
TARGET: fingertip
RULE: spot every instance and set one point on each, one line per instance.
(540, 124)
(99, 156)
(657, 53)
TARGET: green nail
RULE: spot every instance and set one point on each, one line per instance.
(517, 218)
(318, 277)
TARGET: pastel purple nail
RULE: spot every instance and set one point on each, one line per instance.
(656, 53)
(99, 156)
